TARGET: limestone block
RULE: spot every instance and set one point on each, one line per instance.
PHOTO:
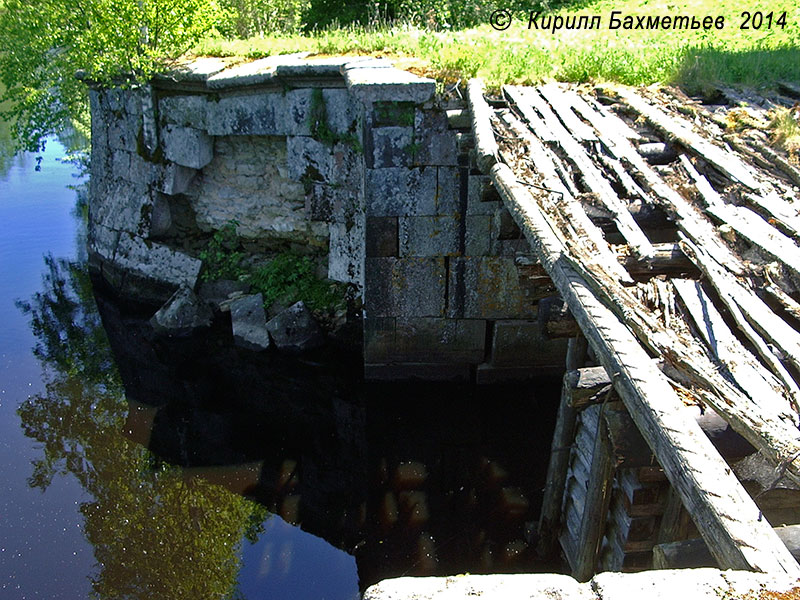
(256, 114)
(100, 123)
(295, 330)
(436, 142)
(346, 255)
(392, 146)
(126, 207)
(487, 587)
(482, 198)
(181, 314)
(102, 240)
(298, 116)
(487, 287)
(122, 133)
(698, 584)
(308, 159)
(405, 287)
(187, 146)
(121, 164)
(448, 191)
(249, 323)
(173, 179)
(341, 111)
(478, 235)
(397, 192)
(429, 236)
(429, 339)
(381, 236)
(314, 67)
(156, 261)
(114, 99)
(198, 70)
(378, 83)
(160, 216)
(186, 111)
(249, 73)
(521, 343)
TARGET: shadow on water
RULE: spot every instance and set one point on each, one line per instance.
(411, 479)
(703, 68)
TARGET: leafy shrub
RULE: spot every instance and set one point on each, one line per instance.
(221, 259)
(289, 278)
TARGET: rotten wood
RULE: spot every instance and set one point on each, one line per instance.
(726, 515)
(485, 143)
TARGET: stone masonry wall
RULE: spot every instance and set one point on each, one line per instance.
(355, 161)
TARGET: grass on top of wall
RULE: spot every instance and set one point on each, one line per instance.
(694, 59)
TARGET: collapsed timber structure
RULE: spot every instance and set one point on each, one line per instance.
(677, 258)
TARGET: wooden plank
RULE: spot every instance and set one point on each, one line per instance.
(690, 220)
(563, 108)
(545, 163)
(563, 435)
(692, 554)
(668, 259)
(747, 223)
(485, 143)
(748, 373)
(725, 513)
(598, 497)
(591, 174)
(727, 162)
(673, 520)
(750, 314)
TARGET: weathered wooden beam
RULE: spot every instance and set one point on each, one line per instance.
(724, 513)
(693, 554)
(598, 497)
(485, 143)
(590, 173)
(563, 434)
(668, 259)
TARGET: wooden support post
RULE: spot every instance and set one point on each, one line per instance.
(563, 434)
(726, 516)
(598, 496)
(485, 144)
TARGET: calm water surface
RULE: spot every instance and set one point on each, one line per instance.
(137, 467)
(84, 510)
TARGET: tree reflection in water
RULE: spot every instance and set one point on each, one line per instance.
(156, 532)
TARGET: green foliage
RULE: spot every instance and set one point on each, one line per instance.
(289, 278)
(221, 259)
(43, 44)
(321, 130)
(246, 18)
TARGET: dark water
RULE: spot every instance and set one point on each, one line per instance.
(137, 467)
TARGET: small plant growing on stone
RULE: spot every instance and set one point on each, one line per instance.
(289, 278)
(221, 259)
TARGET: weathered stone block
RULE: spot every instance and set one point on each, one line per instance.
(392, 146)
(448, 191)
(427, 339)
(181, 314)
(308, 159)
(482, 198)
(436, 143)
(341, 111)
(478, 235)
(103, 241)
(249, 323)
(125, 207)
(259, 114)
(187, 146)
(346, 255)
(185, 111)
(487, 287)
(122, 133)
(429, 236)
(381, 236)
(398, 192)
(217, 292)
(173, 179)
(405, 287)
(379, 339)
(378, 83)
(521, 343)
(505, 225)
(295, 330)
(156, 261)
(298, 107)
(160, 216)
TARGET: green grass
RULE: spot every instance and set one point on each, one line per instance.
(694, 59)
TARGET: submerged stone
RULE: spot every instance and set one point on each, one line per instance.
(295, 329)
(249, 322)
(181, 314)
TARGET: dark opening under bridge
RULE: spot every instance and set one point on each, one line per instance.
(717, 330)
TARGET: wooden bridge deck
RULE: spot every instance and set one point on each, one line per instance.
(679, 259)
